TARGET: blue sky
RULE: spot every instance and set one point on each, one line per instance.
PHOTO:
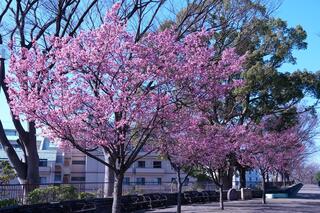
(303, 12)
(307, 14)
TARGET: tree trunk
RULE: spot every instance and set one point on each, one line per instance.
(179, 192)
(117, 193)
(32, 160)
(227, 179)
(263, 189)
(221, 197)
(287, 179)
(108, 179)
(27, 171)
(242, 173)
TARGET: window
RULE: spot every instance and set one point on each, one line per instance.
(10, 132)
(43, 162)
(141, 164)
(78, 178)
(141, 181)
(15, 145)
(156, 164)
(59, 159)
(43, 180)
(155, 181)
(57, 176)
(126, 181)
(159, 181)
(47, 145)
(79, 162)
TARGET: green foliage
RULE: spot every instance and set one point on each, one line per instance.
(8, 202)
(199, 174)
(52, 194)
(268, 43)
(318, 176)
(6, 172)
(86, 195)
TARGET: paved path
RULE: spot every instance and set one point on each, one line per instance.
(308, 200)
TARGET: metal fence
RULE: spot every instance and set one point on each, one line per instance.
(98, 189)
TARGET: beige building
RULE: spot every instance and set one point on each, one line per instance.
(149, 174)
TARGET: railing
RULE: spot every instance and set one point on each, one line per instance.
(98, 189)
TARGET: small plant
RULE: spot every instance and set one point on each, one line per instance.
(6, 172)
(318, 176)
(52, 194)
(86, 195)
(8, 202)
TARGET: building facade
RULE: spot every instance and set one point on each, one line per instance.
(151, 173)
(253, 179)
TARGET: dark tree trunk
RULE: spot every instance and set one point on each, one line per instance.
(219, 183)
(287, 179)
(27, 171)
(227, 179)
(32, 159)
(283, 179)
(263, 188)
(221, 197)
(179, 192)
(242, 173)
(117, 193)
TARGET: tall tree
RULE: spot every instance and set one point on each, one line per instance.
(271, 149)
(176, 143)
(217, 142)
(102, 89)
(28, 21)
(248, 26)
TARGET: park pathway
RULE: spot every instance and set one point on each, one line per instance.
(308, 200)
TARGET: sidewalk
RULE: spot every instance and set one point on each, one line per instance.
(308, 200)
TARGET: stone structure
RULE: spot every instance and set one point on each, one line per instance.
(232, 194)
(246, 194)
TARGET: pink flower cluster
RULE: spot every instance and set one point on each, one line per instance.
(101, 87)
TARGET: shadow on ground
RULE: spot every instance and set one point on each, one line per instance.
(308, 196)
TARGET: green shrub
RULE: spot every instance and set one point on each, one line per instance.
(86, 195)
(318, 176)
(52, 194)
(8, 202)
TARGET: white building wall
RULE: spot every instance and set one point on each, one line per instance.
(73, 166)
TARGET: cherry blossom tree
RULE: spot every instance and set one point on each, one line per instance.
(102, 89)
(270, 151)
(216, 147)
(178, 144)
(29, 21)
